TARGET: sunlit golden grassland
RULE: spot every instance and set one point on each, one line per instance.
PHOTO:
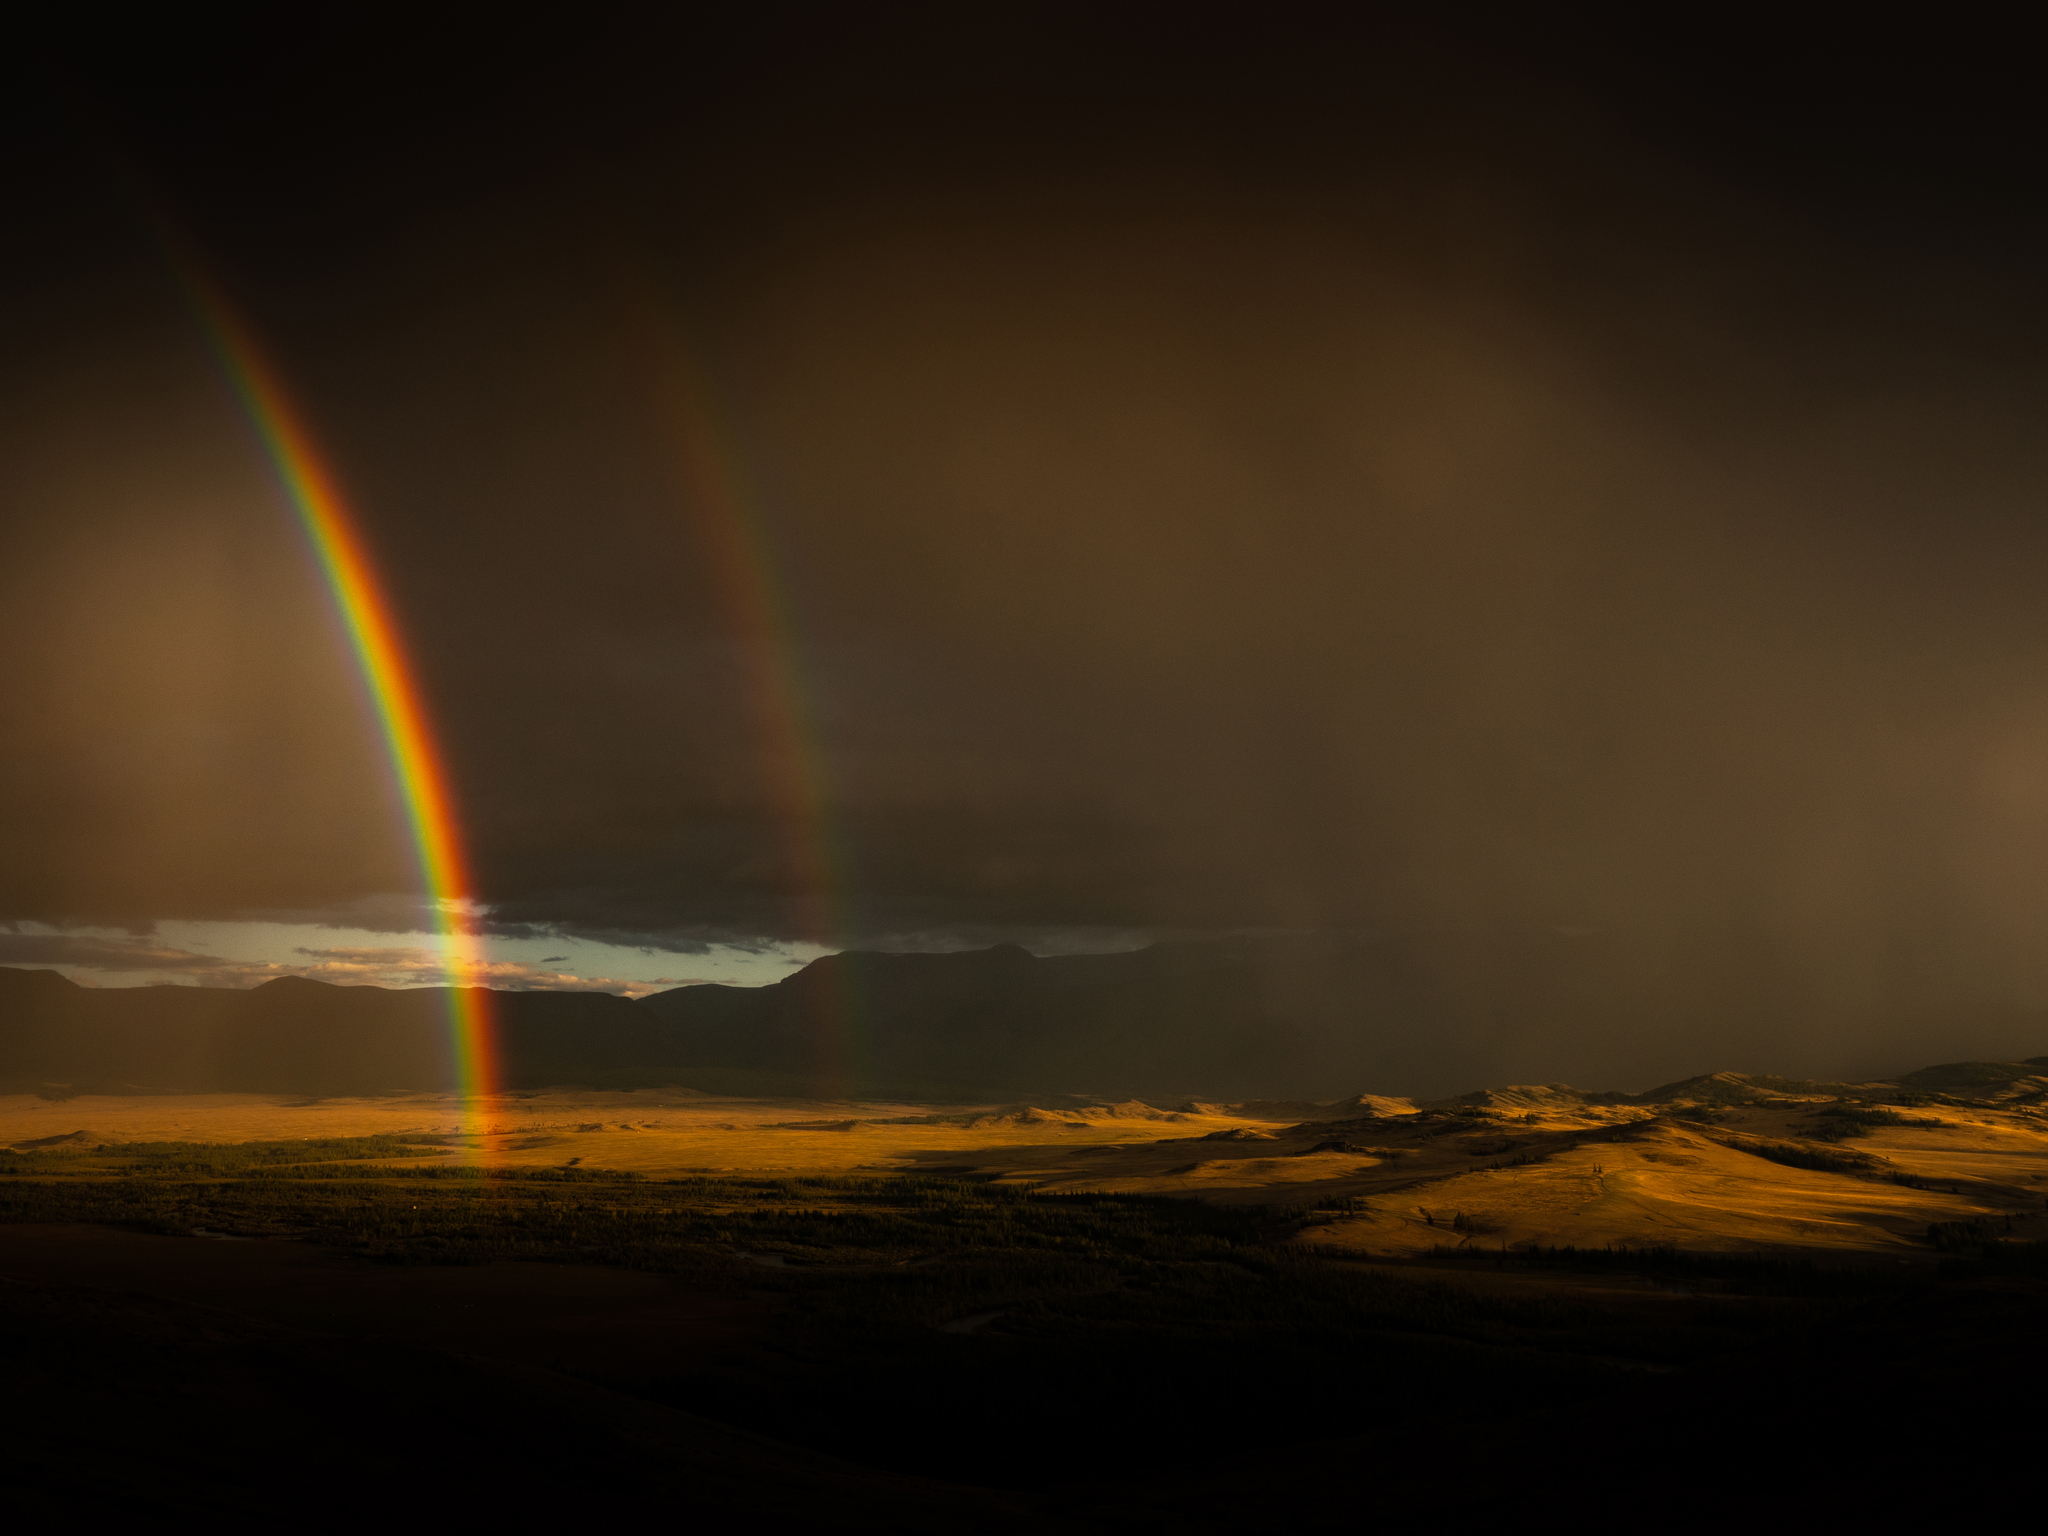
(927, 1289)
(1777, 1171)
(654, 1132)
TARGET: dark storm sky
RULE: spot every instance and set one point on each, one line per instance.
(1281, 467)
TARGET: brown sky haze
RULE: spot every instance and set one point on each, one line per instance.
(1368, 476)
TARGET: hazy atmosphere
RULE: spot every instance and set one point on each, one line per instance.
(1022, 767)
(1553, 498)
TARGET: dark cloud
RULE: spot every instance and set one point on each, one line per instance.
(673, 941)
(1295, 472)
(355, 965)
(99, 953)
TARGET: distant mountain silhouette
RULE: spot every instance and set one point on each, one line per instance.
(292, 1036)
(1306, 1018)
(1243, 1019)
(1302, 1017)
(1170, 1020)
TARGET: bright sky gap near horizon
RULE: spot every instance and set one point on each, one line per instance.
(242, 954)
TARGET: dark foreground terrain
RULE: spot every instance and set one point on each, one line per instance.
(363, 1333)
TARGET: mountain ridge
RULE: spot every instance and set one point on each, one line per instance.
(1300, 1021)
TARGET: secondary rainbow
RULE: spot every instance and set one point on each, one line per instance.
(322, 508)
(739, 547)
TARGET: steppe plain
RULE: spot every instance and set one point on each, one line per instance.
(1720, 1163)
(1071, 1315)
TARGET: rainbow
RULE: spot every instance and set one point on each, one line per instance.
(331, 529)
(739, 547)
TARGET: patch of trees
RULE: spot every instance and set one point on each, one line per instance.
(201, 1159)
(1359, 1149)
(1845, 1119)
(1814, 1159)
(1970, 1235)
